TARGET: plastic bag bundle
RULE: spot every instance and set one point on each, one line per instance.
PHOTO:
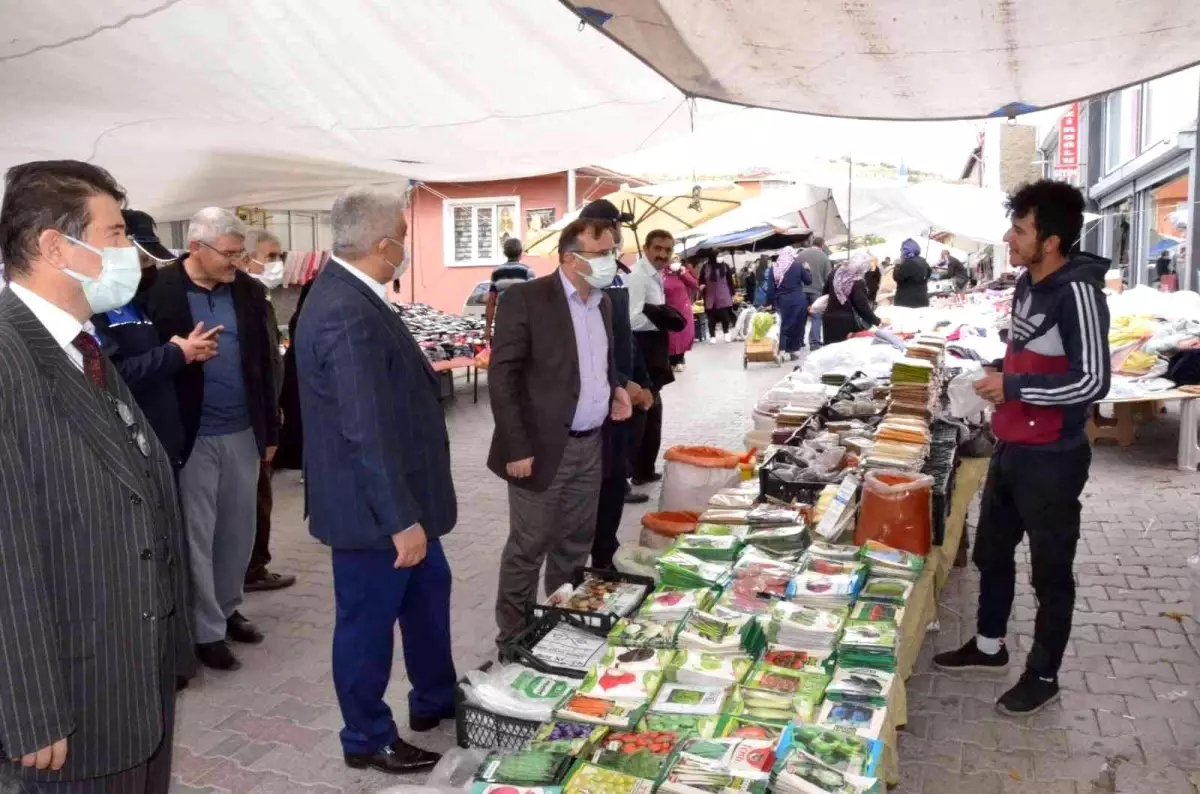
(964, 402)
(760, 324)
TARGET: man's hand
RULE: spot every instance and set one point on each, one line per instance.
(1191, 343)
(410, 546)
(269, 457)
(52, 757)
(622, 406)
(991, 388)
(520, 469)
(200, 345)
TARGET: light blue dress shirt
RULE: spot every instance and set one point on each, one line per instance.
(591, 344)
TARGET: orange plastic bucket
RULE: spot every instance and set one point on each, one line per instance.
(704, 457)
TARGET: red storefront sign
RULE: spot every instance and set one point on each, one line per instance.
(1068, 139)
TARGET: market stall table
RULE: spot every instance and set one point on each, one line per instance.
(1122, 427)
(447, 368)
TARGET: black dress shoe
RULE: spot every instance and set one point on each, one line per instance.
(181, 683)
(653, 478)
(238, 629)
(398, 758)
(422, 724)
(217, 656)
(265, 581)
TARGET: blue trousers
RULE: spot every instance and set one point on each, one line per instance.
(372, 596)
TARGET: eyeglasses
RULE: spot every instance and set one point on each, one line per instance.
(590, 255)
(232, 256)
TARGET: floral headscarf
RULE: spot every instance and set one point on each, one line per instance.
(783, 263)
(846, 275)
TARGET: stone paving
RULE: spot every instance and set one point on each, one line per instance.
(1128, 721)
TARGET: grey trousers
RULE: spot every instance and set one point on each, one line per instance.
(555, 527)
(219, 486)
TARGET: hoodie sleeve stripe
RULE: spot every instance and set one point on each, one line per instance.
(1091, 356)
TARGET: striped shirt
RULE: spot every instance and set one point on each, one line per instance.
(510, 273)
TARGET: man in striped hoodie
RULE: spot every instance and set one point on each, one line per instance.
(1056, 366)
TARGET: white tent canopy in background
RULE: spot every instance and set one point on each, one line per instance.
(903, 59)
(223, 102)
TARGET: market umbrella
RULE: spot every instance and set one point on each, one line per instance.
(675, 207)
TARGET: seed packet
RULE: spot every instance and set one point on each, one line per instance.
(572, 738)
(875, 612)
(887, 590)
(843, 752)
(817, 589)
(887, 561)
(527, 767)
(679, 569)
(699, 668)
(671, 603)
(774, 515)
(801, 626)
(869, 635)
(786, 539)
(600, 711)
(599, 595)
(760, 706)
(740, 500)
(719, 766)
(639, 633)
(714, 633)
(775, 688)
(641, 754)
(860, 684)
(860, 719)
(624, 685)
(570, 647)
(591, 779)
(714, 548)
(743, 727)
(724, 515)
(798, 661)
(693, 700)
(800, 774)
(833, 551)
(685, 725)
(637, 660)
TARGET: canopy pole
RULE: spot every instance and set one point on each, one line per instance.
(850, 207)
(1191, 267)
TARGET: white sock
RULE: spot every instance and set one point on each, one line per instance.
(987, 645)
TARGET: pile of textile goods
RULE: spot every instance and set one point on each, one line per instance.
(1153, 340)
(442, 336)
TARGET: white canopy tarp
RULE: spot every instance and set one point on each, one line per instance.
(795, 207)
(896, 209)
(903, 59)
(221, 102)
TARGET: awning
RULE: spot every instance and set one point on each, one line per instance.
(902, 59)
(200, 102)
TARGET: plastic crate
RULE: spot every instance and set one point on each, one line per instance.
(942, 464)
(478, 727)
(773, 488)
(519, 649)
(602, 621)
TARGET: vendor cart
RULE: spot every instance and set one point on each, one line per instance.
(764, 350)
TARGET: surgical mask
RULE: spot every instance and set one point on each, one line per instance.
(401, 268)
(272, 275)
(604, 270)
(120, 274)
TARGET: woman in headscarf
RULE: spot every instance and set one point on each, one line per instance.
(912, 276)
(680, 288)
(848, 310)
(716, 279)
(785, 292)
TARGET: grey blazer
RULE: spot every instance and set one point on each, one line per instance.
(92, 596)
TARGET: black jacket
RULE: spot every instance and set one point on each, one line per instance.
(166, 304)
(912, 282)
(627, 358)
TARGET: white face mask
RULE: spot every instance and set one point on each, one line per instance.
(604, 270)
(272, 275)
(120, 274)
(401, 268)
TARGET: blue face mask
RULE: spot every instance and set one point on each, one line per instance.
(120, 274)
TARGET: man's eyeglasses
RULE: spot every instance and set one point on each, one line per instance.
(232, 256)
(590, 255)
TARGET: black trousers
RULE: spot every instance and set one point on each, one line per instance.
(260, 557)
(646, 440)
(608, 521)
(1036, 493)
(722, 317)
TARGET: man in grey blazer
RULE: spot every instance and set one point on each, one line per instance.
(92, 601)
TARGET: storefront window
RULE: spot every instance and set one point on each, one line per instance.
(1166, 229)
(1170, 105)
(1120, 225)
(1122, 126)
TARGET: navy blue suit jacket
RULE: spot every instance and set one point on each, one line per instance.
(376, 451)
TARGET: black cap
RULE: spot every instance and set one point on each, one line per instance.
(139, 227)
(605, 210)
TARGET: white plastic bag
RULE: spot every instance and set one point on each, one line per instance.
(964, 402)
(689, 487)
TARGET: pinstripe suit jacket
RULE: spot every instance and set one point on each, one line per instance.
(376, 452)
(89, 534)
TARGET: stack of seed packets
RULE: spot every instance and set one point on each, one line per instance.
(689, 700)
(638, 632)
(670, 604)
(782, 542)
(860, 719)
(773, 692)
(804, 627)
(711, 548)
(875, 612)
(886, 590)
(588, 778)
(721, 530)
(618, 684)
(868, 645)
(679, 569)
(719, 766)
(802, 746)
(885, 561)
(713, 632)
(825, 583)
(697, 668)
(860, 685)
(572, 738)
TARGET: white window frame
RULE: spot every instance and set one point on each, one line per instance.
(448, 207)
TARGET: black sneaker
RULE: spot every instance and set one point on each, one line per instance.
(1031, 694)
(969, 657)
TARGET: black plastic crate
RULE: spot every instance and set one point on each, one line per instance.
(601, 621)
(519, 649)
(776, 489)
(942, 465)
(478, 727)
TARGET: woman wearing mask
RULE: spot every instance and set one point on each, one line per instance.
(785, 292)
(848, 309)
(912, 277)
(716, 279)
(680, 287)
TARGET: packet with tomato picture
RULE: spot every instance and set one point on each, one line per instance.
(641, 753)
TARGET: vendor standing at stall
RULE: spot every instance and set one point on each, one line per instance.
(785, 293)
(912, 277)
(1056, 366)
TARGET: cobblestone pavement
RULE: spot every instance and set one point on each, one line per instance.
(1128, 720)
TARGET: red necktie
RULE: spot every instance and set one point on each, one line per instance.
(93, 359)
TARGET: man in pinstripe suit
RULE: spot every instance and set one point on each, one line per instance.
(92, 605)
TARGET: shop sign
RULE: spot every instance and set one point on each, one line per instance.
(1068, 140)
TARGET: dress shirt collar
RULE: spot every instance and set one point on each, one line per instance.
(58, 322)
(593, 295)
(380, 290)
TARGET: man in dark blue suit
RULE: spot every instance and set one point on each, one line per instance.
(378, 484)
